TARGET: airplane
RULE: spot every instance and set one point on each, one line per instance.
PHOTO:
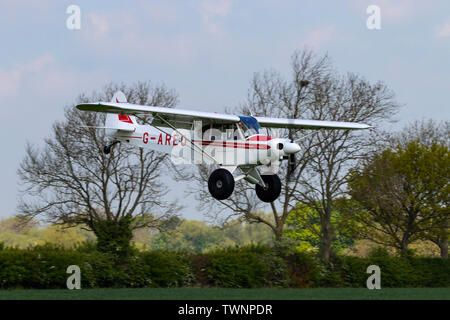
(235, 143)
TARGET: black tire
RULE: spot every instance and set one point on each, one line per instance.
(273, 188)
(221, 184)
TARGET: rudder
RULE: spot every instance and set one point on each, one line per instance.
(119, 121)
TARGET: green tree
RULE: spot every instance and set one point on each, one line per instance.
(190, 235)
(428, 132)
(193, 235)
(66, 237)
(242, 232)
(14, 233)
(403, 193)
(303, 225)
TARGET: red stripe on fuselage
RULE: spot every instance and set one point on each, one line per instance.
(233, 144)
(216, 143)
(130, 137)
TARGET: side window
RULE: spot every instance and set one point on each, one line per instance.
(212, 134)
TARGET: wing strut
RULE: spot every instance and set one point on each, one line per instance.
(187, 139)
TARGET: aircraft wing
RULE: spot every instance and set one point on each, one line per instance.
(309, 124)
(179, 118)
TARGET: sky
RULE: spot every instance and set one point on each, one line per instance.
(208, 52)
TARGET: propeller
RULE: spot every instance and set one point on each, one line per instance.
(292, 162)
(283, 149)
(291, 149)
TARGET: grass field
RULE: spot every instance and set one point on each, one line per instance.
(230, 294)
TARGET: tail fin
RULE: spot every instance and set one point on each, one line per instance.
(120, 121)
(119, 97)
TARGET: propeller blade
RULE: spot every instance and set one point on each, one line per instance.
(292, 162)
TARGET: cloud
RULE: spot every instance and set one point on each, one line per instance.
(213, 12)
(444, 30)
(316, 39)
(11, 79)
(99, 23)
(398, 10)
(129, 40)
(9, 82)
(104, 25)
(216, 7)
(43, 77)
(161, 12)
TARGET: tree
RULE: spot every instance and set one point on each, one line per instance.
(70, 180)
(14, 233)
(242, 233)
(315, 91)
(403, 192)
(428, 132)
(191, 235)
(331, 153)
(303, 225)
(440, 234)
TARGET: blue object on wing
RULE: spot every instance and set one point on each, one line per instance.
(250, 123)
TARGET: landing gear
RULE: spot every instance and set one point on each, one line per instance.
(272, 190)
(221, 184)
(107, 148)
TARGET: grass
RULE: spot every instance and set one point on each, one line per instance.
(229, 294)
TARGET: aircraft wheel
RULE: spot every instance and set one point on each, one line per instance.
(221, 184)
(272, 191)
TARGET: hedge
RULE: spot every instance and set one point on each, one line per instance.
(246, 267)
(45, 267)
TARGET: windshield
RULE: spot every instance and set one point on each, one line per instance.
(250, 125)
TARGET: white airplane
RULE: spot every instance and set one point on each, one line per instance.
(232, 142)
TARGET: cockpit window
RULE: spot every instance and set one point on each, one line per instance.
(250, 125)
